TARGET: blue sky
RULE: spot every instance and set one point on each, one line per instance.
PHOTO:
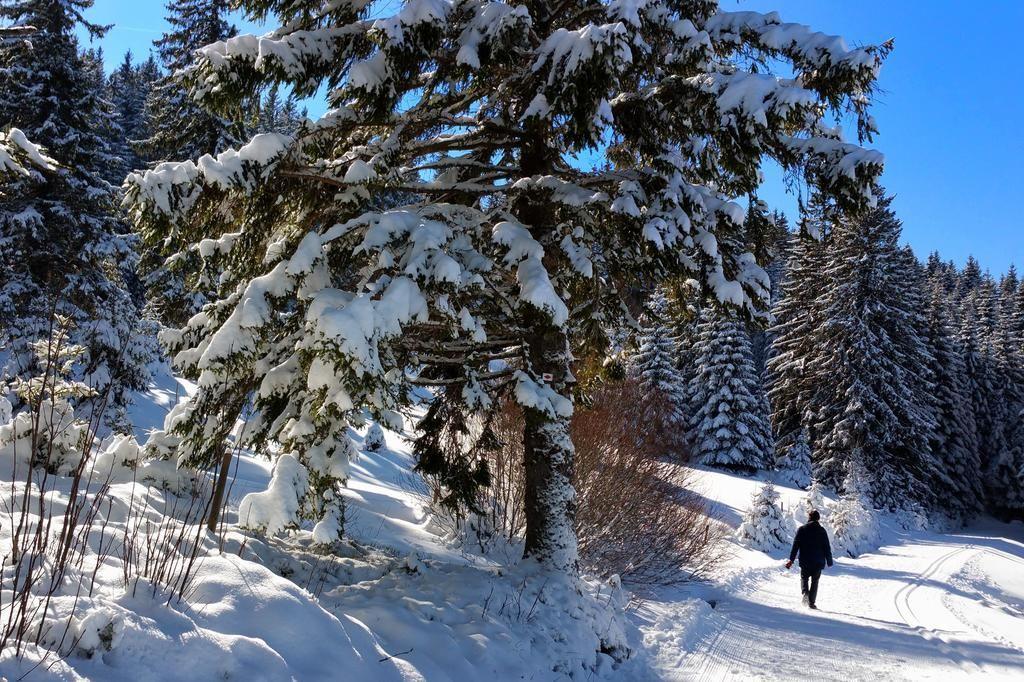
(950, 110)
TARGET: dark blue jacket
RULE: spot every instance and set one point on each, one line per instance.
(811, 543)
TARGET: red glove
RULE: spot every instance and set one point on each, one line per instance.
(789, 564)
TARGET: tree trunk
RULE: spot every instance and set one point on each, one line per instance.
(548, 456)
(218, 490)
(550, 507)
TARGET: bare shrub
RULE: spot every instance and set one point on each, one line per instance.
(638, 515)
(63, 519)
(505, 500)
(163, 540)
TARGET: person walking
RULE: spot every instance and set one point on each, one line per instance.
(811, 543)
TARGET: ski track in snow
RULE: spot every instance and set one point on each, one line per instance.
(921, 609)
(924, 606)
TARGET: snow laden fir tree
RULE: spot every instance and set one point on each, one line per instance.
(730, 425)
(764, 526)
(814, 501)
(178, 127)
(850, 363)
(654, 363)
(63, 243)
(432, 228)
(853, 520)
(374, 439)
(794, 461)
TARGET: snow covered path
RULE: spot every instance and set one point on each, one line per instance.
(925, 607)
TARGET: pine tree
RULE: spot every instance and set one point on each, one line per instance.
(1009, 472)
(766, 232)
(1007, 341)
(474, 117)
(374, 439)
(865, 372)
(944, 272)
(179, 126)
(970, 278)
(988, 386)
(654, 362)
(1005, 488)
(794, 463)
(798, 323)
(290, 117)
(1013, 482)
(129, 88)
(268, 112)
(918, 367)
(764, 526)
(276, 116)
(63, 248)
(1016, 314)
(1008, 285)
(853, 518)
(47, 434)
(107, 125)
(813, 501)
(176, 282)
(769, 241)
(683, 313)
(955, 438)
(730, 426)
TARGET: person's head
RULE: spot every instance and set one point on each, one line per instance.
(813, 515)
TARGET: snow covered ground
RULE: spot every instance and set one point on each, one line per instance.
(923, 606)
(402, 602)
(435, 610)
(395, 602)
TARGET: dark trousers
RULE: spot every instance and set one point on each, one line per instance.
(806, 575)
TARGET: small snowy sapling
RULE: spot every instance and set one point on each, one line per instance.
(764, 527)
(374, 439)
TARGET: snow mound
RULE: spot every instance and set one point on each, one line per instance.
(452, 622)
(241, 621)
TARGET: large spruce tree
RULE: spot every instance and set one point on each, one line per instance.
(798, 320)
(987, 385)
(502, 244)
(988, 331)
(955, 438)
(62, 244)
(850, 364)
(774, 254)
(1004, 469)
